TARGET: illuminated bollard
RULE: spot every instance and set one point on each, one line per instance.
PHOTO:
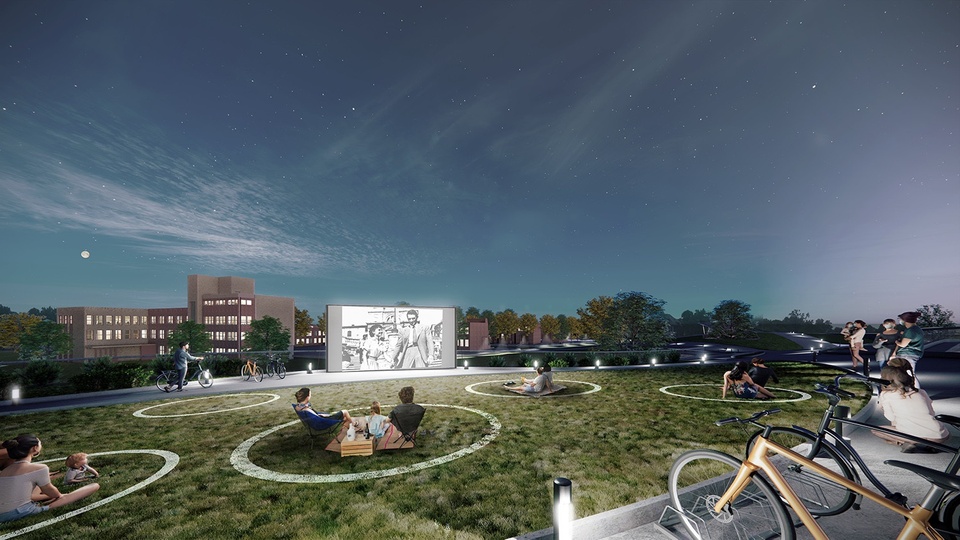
(466, 364)
(15, 395)
(562, 509)
(310, 368)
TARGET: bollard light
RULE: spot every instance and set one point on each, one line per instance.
(536, 364)
(703, 359)
(653, 361)
(562, 509)
(15, 394)
(596, 365)
(310, 368)
(466, 364)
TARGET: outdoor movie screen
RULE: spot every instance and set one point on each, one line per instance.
(390, 337)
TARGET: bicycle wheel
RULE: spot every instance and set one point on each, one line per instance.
(820, 495)
(257, 373)
(270, 370)
(245, 372)
(281, 371)
(697, 481)
(162, 380)
(205, 378)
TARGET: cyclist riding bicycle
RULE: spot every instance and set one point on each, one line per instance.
(180, 359)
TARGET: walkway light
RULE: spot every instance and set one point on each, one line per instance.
(15, 394)
(466, 364)
(596, 365)
(562, 509)
(653, 361)
(310, 368)
(703, 359)
(536, 364)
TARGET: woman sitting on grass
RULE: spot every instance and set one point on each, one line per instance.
(908, 409)
(538, 384)
(26, 486)
(743, 386)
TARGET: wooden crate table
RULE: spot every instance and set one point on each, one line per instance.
(358, 447)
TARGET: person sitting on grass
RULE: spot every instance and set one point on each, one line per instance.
(303, 406)
(908, 409)
(535, 385)
(743, 386)
(760, 373)
(79, 470)
(25, 487)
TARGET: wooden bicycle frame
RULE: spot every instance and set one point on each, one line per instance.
(917, 519)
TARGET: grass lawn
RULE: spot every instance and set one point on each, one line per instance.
(616, 445)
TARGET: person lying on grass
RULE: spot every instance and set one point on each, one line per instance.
(25, 487)
(303, 405)
(536, 385)
(743, 386)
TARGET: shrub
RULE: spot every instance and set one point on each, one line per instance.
(586, 361)
(225, 366)
(39, 373)
(525, 360)
(558, 362)
(6, 377)
(161, 362)
(104, 374)
(496, 361)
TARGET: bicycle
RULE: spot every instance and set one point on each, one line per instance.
(169, 378)
(827, 447)
(275, 366)
(251, 370)
(718, 496)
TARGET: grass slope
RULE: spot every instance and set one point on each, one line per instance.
(616, 445)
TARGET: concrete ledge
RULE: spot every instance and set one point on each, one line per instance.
(611, 522)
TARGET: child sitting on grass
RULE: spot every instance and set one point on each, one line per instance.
(79, 470)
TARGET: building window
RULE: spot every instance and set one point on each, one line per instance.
(109, 319)
(90, 335)
(143, 334)
(162, 334)
(99, 335)
(153, 333)
(245, 319)
(99, 319)
(109, 335)
(126, 319)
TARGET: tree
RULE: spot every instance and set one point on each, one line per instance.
(638, 321)
(267, 334)
(690, 322)
(473, 313)
(934, 315)
(491, 324)
(550, 326)
(4, 310)
(563, 327)
(322, 323)
(302, 321)
(528, 323)
(575, 326)
(44, 341)
(13, 326)
(191, 332)
(507, 323)
(731, 319)
(595, 321)
(463, 327)
(49, 313)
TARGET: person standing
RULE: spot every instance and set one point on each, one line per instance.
(910, 345)
(414, 347)
(856, 342)
(885, 341)
(180, 359)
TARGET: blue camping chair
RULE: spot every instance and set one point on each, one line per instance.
(318, 426)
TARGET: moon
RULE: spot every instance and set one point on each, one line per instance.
(85, 254)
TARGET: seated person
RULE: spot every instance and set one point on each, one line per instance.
(79, 470)
(303, 407)
(909, 410)
(761, 374)
(743, 386)
(405, 420)
(20, 481)
(376, 424)
(535, 385)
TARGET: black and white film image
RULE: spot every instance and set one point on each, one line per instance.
(381, 338)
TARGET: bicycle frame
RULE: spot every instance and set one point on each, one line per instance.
(917, 519)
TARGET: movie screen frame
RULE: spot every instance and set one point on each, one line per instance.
(379, 338)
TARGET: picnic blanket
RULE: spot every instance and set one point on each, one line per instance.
(519, 390)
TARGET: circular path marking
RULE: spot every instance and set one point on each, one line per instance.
(142, 414)
(241, 461)
(801, 395)
(472, 390)
(170, 461)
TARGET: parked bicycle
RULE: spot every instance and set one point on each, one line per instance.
(251, 370)
(275, 366)
(827, 447)
(169, 377)
(717, 496)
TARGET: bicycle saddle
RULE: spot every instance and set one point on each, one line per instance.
(942, 479)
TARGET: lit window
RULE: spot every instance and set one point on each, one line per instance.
(99, 319)
(126, 319)
(109, 335)
(89, 319)
(143, 333)
(99, 335)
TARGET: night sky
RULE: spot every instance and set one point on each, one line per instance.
(528, 155)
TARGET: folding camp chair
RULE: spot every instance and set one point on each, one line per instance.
(318, 426)
(407, 426)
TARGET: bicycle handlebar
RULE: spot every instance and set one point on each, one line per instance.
(752, 420)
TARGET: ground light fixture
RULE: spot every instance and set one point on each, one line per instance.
(653, 361)
(596, 365)
(466, 364)
(703, 359)
(562, 509)
(536, 364)
(310, 368)
(15, 394)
